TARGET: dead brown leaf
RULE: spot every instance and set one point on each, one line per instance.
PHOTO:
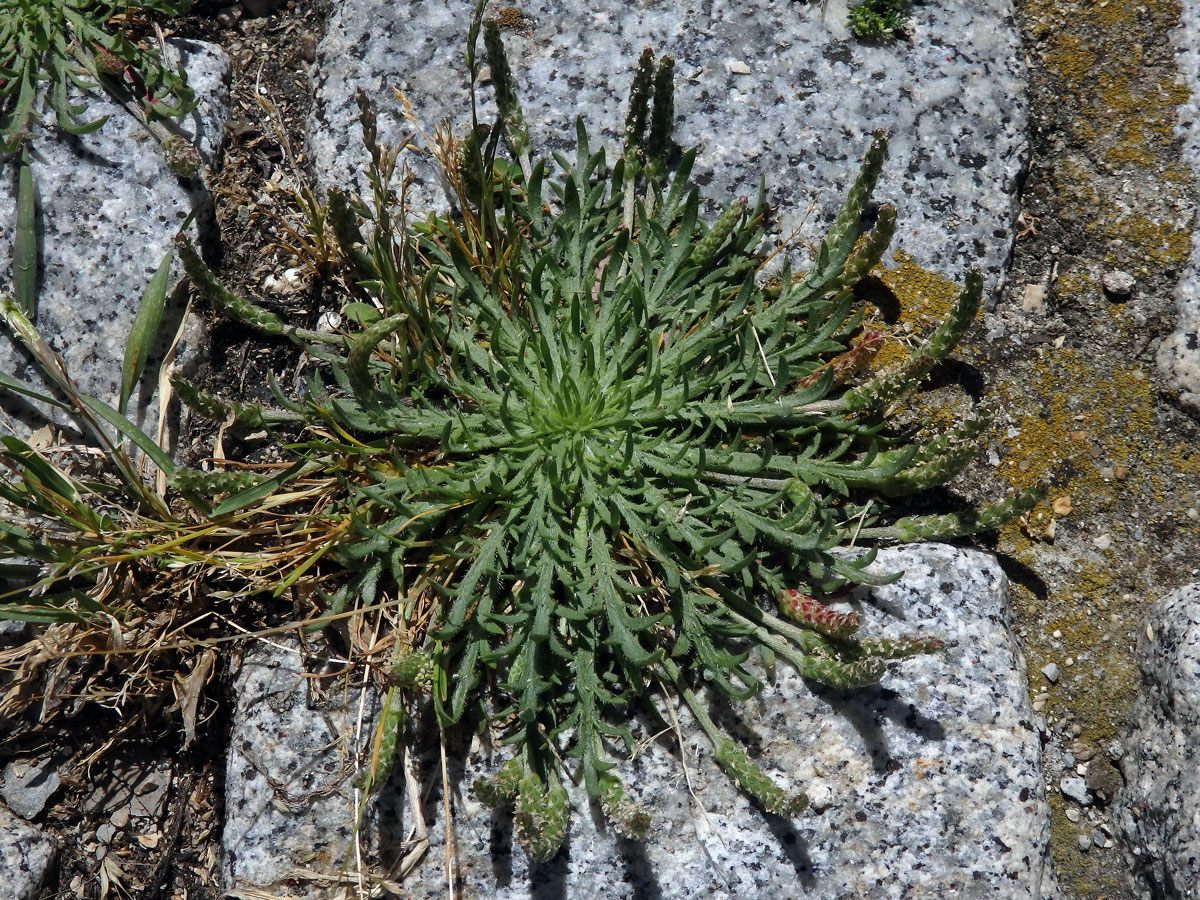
(188, 689)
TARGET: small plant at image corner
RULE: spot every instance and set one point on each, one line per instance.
(83, 44)
(878, 21)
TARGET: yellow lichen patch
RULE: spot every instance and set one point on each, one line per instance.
(1158, 242)
(925, 299)
(1077, 285)
(925, 296)
(1185, 458)
(1070, 57)
(1067, 410)
(511, 17)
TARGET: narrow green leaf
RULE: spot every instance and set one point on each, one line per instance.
(256, 493)
(25, 253)
(144, 329)
(11, 384)
(131, 432)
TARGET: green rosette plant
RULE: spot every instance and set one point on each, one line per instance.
(597, 457)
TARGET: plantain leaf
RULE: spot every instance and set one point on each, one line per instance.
(144, 329)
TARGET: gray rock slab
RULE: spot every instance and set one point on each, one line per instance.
(1179, 354)
(288, 795)
(109, 208)
(951, 98)
(1158, 811)
(25, 857)
(27, 784)
(928, 784)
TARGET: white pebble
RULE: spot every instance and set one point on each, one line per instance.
(1119, 284)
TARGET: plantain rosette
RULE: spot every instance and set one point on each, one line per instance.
(586, 441)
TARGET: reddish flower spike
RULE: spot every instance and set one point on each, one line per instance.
(820, 618)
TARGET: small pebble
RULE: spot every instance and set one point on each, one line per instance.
(105, 833)
(1068, 761)
(120, 817)
(1034, 300)
(1118, 284)
(820, 796)
(1083, 842)
(1075, 789)
(1120, 472)
(737, 67)
(1051, 672)
(1082, 752)
(1073, 814)
(1102, 542)
(1061, 506)
(308, 46)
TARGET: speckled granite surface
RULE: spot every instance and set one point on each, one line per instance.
(25, 857)
(1159, 808)
(288, 791)
(109, 210)
(951, 99)
(926, 785)
(1179, 354)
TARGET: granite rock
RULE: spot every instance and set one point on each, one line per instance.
(1158, 810)
(109, 208)
(951, 98)
(288, 794)
(1179, 355)
(926, 785)
(28, 784)
(25, 857)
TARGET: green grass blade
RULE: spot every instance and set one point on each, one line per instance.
(258, 492)
(17, 387)
(43, 614)
(25, 244)
(145, 329)
(131, 432)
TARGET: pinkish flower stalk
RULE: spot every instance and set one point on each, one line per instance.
(820, 618)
